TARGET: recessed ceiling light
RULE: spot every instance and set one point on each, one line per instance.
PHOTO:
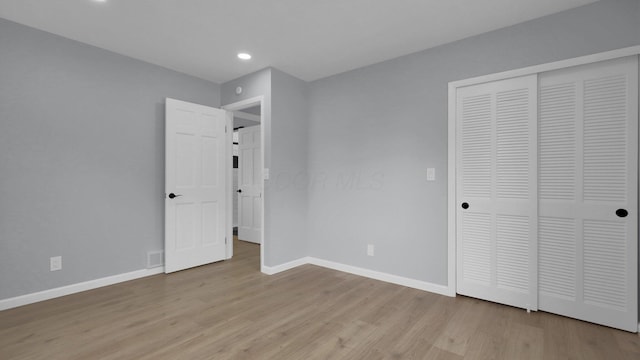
(100, 0)
(244, 56)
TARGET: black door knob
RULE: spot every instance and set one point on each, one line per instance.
(465, 205)
(239, 190)
(172, 196)
(622, 212)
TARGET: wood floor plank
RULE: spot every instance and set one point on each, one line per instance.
(229, 310)
(463, 325)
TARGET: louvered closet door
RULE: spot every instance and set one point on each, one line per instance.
(496, 178)
(588, 133)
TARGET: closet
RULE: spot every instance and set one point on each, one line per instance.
(546, 187)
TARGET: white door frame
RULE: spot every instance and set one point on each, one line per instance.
(453, 87)
(233, 107)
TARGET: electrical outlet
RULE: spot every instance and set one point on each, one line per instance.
(55, 263)
(371, 249)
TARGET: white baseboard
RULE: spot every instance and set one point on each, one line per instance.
(76, 288)
(394, 279)
(269, 270)
(272, 270)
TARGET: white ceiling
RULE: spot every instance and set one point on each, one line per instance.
(310, 39)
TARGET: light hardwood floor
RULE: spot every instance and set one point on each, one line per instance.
(229, 310)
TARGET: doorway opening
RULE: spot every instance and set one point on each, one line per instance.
(247, 190)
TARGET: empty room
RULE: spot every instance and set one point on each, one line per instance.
(333, 179)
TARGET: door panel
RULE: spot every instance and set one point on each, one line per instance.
(512, 251)
(210, 162)
(588, 170)
(477, 248)
(249, 184)
(557, 257)
(210, 229)
(185, 216)
(497, 163)
(195, 158)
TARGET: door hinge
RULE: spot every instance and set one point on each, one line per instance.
(225, 129)
(225, 239)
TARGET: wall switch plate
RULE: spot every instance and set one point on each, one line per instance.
(55, 263)
(431, 174)
(266, 173)
(371, 249)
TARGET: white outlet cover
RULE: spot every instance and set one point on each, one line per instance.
(55, 263)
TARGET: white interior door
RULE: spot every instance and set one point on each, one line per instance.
(588, 171)
(249, 184)
(496, 195)
(195, 202)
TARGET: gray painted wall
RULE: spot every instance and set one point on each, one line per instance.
(81, 158)
(288, 183)
(285, 126)
(374, 131)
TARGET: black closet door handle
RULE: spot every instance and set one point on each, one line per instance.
(239, 190)
(622, 212)
(465, 205)
(173, 196)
